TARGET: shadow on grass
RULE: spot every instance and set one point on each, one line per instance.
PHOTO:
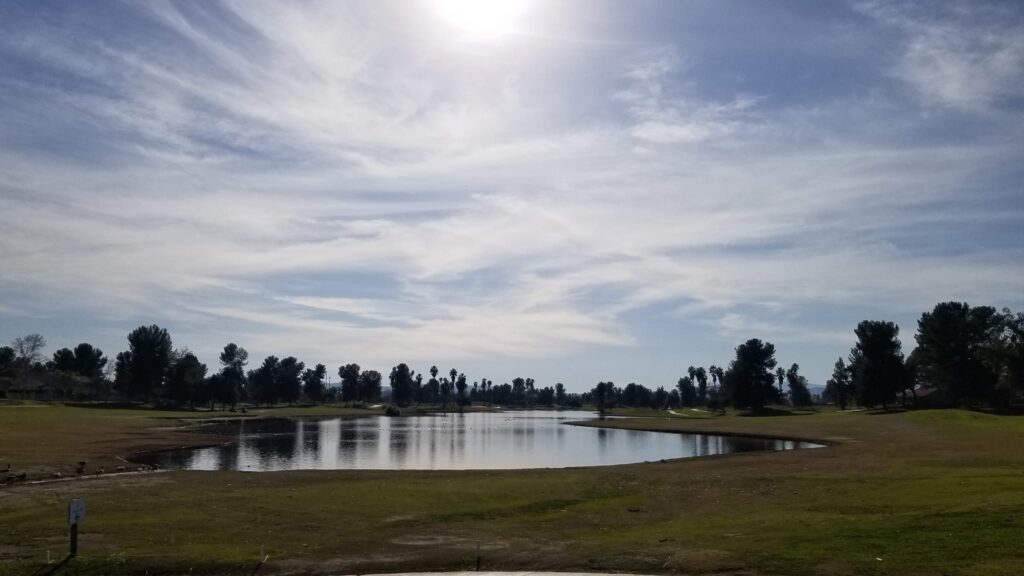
(775, 411)
(884, 411)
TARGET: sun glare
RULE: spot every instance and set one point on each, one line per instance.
(481, 19)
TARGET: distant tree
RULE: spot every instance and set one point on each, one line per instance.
(370, 385)
(446, 392)
(122, 372)
(233, 360)
(433, 389)
(349, 374)
(263, 382)
(85, 362)
(149, 359)
(659, 400)
(460, 387)
(876, 363)
(749, 381)
(1009, 352)
(519, 391)
(952, 343)
(799, 393)
(185, 379)
(401, 384)
(701, 378)
(635, 395)
(29, 348)
(780, 375)
(7, 359)
(313, 383)
(687, 392)
(546, 396)
(217, 390)
(289, 379)
(63, 361)
(838, 388)
(715, 397)
(560, 394)
(417, 386)
(673, 400)
(603, 394)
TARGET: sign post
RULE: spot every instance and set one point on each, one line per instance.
(76, 513)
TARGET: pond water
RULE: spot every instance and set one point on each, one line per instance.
(476, 440)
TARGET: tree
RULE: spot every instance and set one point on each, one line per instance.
(659, 400)
(799, 393)
(84, 360)
(780, 375)
(460, 387)
(417, 388)
(519, 390)
(876, 363)
(433, 389)
(401, 384)
(1010, 354)
(369, 385)
(148, 361)
(687, 391)
(749, 382)
(701, 377)
(349, 374)
(29, 348)
(7, 358)
(289, 379)
(603, 393)
(185, 379)
(952, 342)
(838, 388)
(634, 395)
(560, 394)
(226, 388)
(313, 383)
(263, 386)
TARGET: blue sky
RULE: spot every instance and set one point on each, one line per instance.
(572, 191)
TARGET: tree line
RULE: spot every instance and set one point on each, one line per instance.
(964, 356)
(152, 370)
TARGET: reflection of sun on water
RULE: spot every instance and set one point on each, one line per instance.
(481, 19)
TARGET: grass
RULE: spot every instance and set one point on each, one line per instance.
(937, 492)
(42, 439)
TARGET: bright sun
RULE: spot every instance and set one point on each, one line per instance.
(481, 19)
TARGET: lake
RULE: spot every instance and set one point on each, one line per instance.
(475, 440)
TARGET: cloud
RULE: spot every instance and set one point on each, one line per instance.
(661, 114)
(965, 57)
(512, 200)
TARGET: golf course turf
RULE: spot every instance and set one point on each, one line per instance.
(931, 492)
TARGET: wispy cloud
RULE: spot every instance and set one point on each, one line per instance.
(524, 199)
(968, 56)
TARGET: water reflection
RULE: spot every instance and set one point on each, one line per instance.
(449, 442)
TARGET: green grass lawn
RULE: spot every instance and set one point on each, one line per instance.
(938, 492)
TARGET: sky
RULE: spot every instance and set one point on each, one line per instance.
(572, 191)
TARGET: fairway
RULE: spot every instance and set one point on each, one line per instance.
(939, 492)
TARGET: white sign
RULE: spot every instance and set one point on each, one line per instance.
(76, 511)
